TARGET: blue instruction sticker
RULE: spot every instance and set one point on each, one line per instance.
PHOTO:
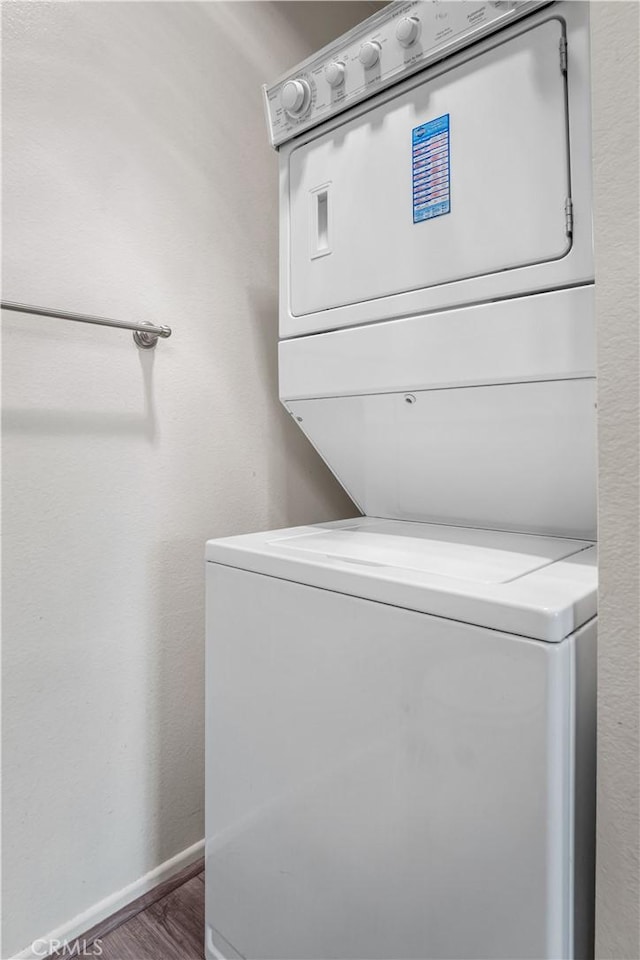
(431, 169)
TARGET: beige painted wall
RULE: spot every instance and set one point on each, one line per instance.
(138, 183)
(616, 114)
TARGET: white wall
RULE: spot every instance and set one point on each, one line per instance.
(616, 114)
(138, 183)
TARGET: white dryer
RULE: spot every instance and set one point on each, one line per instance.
(440, 354)
(465, 179)
(401, 707)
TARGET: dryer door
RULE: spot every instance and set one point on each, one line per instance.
(464, 175)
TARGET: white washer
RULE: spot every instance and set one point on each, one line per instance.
(400, 762)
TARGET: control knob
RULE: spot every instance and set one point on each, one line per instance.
(369, 54)
(407, 31)
(335, 73)
(295, 96)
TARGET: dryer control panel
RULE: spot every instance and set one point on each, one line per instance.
(391, 45)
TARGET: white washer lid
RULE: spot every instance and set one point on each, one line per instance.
(539, 587)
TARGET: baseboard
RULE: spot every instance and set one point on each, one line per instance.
(109, 913)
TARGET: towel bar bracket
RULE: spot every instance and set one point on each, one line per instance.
(144, 339)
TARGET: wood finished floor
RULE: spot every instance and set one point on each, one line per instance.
(170, 929)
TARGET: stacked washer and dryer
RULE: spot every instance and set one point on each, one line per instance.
(401, 706)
